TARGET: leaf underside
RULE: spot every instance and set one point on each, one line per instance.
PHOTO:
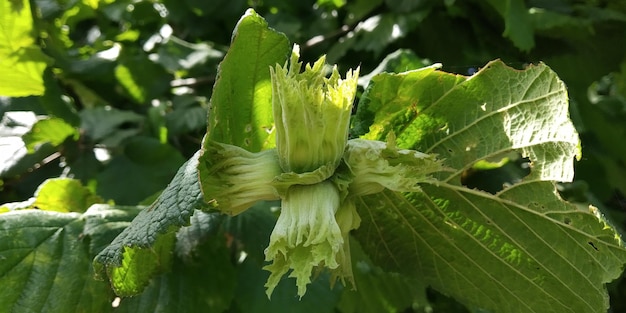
(523, 249)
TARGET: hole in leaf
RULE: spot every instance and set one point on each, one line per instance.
(493, 175)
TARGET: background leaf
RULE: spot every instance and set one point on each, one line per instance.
(64, 195)
(241, 108)
(521, 250)
(20, 59)
(50, 130)
(517, 23)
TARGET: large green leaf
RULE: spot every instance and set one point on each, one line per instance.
(21, 61)
(145, 247)
(520, 250)
(202, 279)
(241, 107)
(45, 259)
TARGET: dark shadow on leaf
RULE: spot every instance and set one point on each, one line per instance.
(493, 177)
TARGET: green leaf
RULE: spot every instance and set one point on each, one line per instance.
(545, 20)
(202, 279)
(189, 114)
(331, 3)
(104, 222)
(109, 126)
(46, 259)
(56, 103)
(522, 249)
(517, 21)
(241, 108)
(144, 248)
(50, 130)
(64, 195)
(400, 60)
(21, 61)
(177, 54)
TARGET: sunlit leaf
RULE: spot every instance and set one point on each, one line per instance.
(241, 109)
(521, 250)
(50, 130)
(64, 195)
(21, 61)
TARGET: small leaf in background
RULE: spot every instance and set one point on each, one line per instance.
(109, 126)
(521, 250)
(401, 60)
(46, 259)
(22, 62)
(64, 195)
(369, 34)
(145, 248)
(241, 109)
(517, 21)
(50, 130)
(189, 114)
(176, 54)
